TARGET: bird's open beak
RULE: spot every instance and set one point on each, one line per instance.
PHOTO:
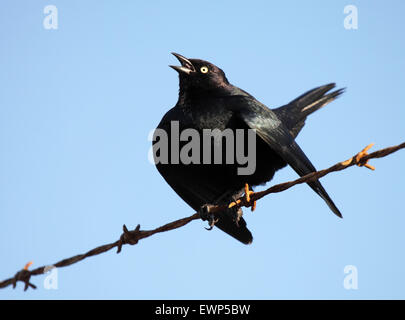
(186, 65)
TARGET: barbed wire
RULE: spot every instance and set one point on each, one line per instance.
(132, 237)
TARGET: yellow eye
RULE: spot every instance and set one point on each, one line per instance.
(204, 69)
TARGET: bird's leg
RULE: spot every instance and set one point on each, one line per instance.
(205, 214)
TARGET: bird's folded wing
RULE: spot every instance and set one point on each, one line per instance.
(270, 129)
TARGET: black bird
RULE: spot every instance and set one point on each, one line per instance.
(208, 101)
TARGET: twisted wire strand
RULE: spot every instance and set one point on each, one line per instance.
(134, 236)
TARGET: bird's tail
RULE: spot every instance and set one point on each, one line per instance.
(320, 190)
(237, 230)
(293, 115)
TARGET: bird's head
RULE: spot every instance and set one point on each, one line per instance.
(199, 75)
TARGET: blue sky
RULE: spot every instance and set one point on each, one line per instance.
(77, 105)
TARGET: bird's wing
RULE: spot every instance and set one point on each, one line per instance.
(270, 129)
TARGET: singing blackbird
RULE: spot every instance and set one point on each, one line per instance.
(208, 101)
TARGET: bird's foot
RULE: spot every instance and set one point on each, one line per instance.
(247, 201)
(206, 215)
(361, 154)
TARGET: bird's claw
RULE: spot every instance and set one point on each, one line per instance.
(206, 215)
(211, 222)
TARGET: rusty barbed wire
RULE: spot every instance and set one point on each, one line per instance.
(134, 236)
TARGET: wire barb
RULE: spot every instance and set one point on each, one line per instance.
(24, 276)
(134, 236)
(361, 155)
(129, 237)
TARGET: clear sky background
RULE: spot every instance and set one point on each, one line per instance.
(77, 105)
